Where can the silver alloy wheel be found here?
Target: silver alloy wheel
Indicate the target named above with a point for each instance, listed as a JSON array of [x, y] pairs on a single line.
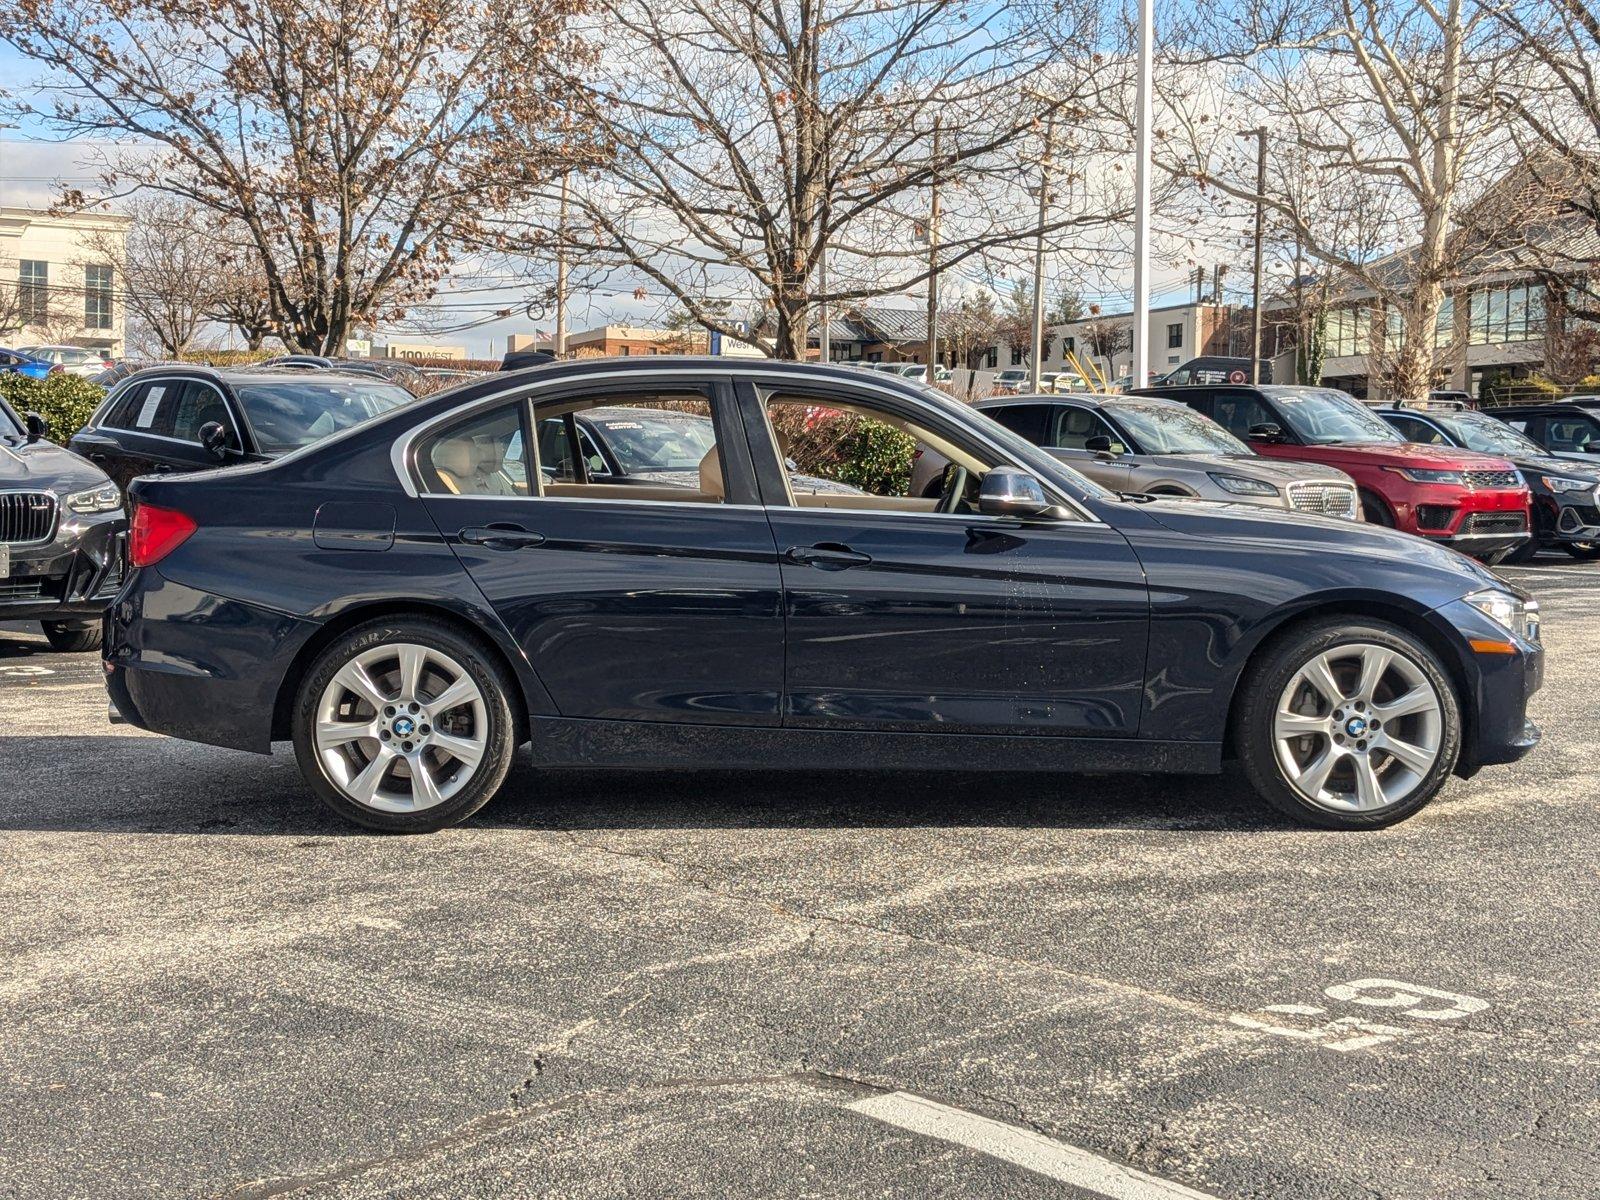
[[1358, 728], [401, 728]]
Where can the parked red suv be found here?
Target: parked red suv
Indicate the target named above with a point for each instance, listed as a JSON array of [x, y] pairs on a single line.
[[1474, 502]]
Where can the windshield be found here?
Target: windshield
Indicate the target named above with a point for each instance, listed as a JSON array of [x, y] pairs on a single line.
[[1322, 416], [295, 413], [1478, 432], [654, 441], [1174, 429]]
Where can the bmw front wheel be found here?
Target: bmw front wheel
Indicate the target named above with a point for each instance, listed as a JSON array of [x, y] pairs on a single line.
[[404, 726], [1348, 726]]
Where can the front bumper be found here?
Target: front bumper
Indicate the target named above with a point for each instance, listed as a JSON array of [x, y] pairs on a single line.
[[1477, 522], [73, 576], [1498, 686], [1559, 521]]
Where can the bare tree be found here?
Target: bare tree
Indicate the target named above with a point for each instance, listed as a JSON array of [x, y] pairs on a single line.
[[356, 144], [1015, 324], [52, 312], [169, 266], [760, 145], [1397, 107]]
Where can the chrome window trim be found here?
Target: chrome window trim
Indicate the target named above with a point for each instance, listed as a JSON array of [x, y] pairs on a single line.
[[116, 393], [401, 457]]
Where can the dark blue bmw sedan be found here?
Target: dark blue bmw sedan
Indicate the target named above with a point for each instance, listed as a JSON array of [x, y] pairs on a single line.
[[410, 600]]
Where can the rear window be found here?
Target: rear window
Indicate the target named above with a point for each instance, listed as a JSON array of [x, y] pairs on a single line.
[[297, 412]]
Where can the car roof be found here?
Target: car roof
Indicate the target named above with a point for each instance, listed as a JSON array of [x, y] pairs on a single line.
[[1531, 410], [247, 372], [1087, 399]]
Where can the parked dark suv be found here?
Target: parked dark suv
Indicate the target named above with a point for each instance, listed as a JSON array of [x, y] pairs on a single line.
[[411, 599], [61, 535], [1566, 490], [187, 418], [1476, 503]]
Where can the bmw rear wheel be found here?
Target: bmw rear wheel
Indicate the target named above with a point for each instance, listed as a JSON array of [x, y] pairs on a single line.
[[404, 726], [1348, 726]]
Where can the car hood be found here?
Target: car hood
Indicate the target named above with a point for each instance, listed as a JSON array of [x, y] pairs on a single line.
[[1252, 524], [47, 467], [1273, 470], [1411, 454], [1577, 466]]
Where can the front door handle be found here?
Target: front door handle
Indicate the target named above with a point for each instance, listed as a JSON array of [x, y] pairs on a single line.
[[829, 556], [500, 536]]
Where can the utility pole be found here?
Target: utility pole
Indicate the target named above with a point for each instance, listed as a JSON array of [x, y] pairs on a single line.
[[560, 343], [1260, 134], [1141, 202], [1036, 366], [933, 259]]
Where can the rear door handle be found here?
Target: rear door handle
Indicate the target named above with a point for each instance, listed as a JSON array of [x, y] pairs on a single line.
[[830, 556], [501, 537]]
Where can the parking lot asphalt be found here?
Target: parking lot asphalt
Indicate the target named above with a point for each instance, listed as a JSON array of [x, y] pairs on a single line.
[[792, 984]]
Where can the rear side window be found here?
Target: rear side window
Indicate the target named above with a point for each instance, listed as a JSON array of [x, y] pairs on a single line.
[[140, 409], [1026, 420], [486, 456]]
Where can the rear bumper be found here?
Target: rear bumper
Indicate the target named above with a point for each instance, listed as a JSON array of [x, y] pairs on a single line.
[[205, 668]]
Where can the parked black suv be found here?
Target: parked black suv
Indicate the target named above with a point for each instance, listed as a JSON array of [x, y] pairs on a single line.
[[186, 418], [61, 535], [1565, 491], [1565, 430]]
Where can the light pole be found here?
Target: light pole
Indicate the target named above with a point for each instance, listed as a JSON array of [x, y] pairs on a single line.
[[1141, 196], [1260, 134]]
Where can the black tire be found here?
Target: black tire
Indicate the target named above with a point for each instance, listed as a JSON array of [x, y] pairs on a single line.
[[1582, 551], [1375, 511], [1270, 674], [499, 738], [1521, 554], [72, 637]]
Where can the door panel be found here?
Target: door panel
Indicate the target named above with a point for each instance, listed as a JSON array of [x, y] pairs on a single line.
[[962, 624], [648, 610]]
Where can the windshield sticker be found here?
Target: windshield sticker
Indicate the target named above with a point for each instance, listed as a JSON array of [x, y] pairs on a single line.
[[147, 414]]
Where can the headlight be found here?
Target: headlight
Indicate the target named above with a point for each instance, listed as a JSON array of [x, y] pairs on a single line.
[[1557, 484], [1240, 486], [96, 500], [1427, 475], [1519, 616]]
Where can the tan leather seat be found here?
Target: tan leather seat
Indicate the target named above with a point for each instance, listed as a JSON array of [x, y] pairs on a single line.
[[454, 460], [711, 486]]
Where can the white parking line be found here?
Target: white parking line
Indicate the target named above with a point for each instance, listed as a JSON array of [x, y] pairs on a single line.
[[1021, 1147]]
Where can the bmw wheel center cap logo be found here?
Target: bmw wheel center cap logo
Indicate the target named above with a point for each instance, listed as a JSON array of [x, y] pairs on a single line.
[[404, 726], [1355, 726]]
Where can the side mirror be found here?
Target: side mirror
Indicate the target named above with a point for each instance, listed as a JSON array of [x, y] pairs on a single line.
[[1102, 444], [1266, 432], [1011, 492], [38, 427], [214, 440]]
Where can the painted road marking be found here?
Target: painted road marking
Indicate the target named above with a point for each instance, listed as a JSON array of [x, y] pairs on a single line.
[[26, 670], [1353, 1033], [1021, 1147]]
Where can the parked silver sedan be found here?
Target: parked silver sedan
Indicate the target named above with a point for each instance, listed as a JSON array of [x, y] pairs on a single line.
[[1158, 447]]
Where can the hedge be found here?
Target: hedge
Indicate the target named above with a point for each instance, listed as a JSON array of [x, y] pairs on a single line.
[[65, 401], [850, 448]]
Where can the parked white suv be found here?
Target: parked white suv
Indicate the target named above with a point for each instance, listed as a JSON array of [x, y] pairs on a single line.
[[74, 360]]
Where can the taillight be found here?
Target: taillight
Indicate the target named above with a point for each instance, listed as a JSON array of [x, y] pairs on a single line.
[[56, 369], [155, 533]]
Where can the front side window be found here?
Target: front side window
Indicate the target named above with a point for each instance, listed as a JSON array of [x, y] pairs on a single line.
[[1414, 430], [1571, 434], [1076, 426], [97, 297], [288, 415], [485, 456], [33, 291], [194, 405], [1239, 412]]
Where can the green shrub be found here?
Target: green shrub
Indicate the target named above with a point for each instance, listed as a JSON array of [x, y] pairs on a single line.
[[846, 447], [65, 401]]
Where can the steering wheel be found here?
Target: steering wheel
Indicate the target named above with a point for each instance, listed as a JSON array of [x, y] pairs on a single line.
[[955, 488]]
